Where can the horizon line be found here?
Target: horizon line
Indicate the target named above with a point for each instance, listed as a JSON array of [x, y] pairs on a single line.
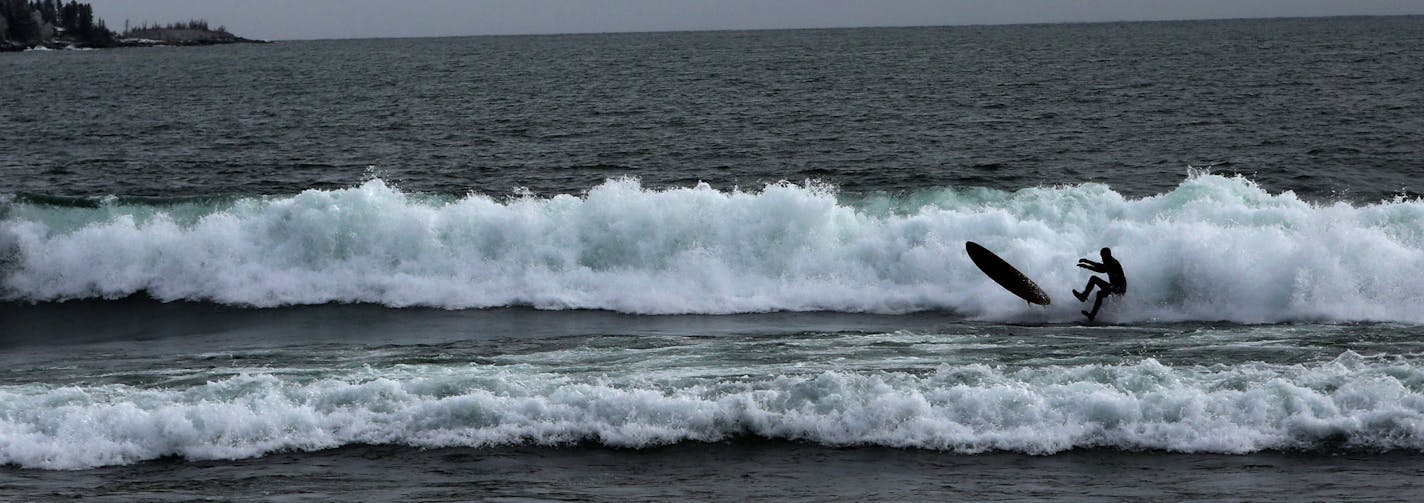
[[844, 27]]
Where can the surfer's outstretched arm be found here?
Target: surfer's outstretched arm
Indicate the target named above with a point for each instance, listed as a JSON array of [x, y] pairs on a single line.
[[1090, 265]]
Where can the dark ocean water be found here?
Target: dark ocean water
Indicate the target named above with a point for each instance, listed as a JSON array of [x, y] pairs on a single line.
[[1322, 107], [717, 265]]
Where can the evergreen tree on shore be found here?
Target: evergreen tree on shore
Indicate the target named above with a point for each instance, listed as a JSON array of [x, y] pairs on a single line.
[[78, 19], [49, 11], [23, 25], [31, 23]]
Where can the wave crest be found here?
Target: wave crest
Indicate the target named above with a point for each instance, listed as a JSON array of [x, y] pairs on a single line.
[[1351, 403], [1215, 248]]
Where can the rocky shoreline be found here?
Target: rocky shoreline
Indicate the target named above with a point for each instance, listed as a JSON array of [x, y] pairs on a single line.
[[60, 44]]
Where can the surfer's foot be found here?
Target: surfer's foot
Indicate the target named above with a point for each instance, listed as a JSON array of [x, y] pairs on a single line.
[[1082, 297], [1088, 314]]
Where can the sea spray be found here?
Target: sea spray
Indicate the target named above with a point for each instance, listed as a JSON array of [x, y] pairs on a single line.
[[1214, 248]]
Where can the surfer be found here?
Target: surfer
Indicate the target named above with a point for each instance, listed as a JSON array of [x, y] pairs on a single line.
[[1115, 285]]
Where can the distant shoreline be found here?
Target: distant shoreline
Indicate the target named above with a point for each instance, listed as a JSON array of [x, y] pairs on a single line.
[[57, 46], [129, 42], [55, 25]]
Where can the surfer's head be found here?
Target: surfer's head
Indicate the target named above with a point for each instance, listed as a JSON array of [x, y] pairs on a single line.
[[1106, 252]]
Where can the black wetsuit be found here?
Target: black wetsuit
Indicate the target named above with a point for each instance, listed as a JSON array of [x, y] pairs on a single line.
[[1116, 279], [1115, 285]]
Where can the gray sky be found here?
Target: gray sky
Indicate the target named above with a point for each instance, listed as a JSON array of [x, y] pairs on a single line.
[[305, 19]]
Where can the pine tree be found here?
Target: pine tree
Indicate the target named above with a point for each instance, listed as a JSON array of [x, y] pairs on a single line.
[[67, 15], [49, 11], [84, 25], [24, 28]]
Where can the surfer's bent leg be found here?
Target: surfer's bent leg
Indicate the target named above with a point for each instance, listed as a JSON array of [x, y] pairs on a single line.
[[1094, 281], [1098, 303]]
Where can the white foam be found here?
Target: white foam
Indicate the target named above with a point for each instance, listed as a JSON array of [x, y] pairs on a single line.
[[1350, 403], [1215, 248]]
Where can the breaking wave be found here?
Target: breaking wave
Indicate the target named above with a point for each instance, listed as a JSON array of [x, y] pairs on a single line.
[[1214, 248], [1352, 402]]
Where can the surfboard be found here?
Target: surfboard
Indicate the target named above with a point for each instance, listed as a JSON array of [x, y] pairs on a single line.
[[1005, 275]]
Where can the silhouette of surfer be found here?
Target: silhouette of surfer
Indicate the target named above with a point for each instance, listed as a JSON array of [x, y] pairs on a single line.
[[1115, 285]]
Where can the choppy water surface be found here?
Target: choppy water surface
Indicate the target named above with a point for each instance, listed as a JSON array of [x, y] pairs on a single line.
[[1327, 108]]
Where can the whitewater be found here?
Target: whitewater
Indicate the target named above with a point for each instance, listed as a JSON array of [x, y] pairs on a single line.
[[1214, 248], [1351, 403]]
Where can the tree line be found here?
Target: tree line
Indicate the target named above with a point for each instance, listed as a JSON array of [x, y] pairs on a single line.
[[195, 24], [32, 23]]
